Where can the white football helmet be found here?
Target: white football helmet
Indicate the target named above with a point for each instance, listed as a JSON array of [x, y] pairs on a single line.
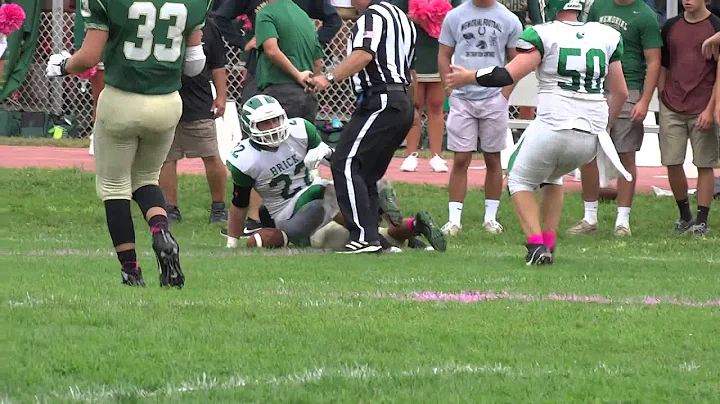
[[259, 109]]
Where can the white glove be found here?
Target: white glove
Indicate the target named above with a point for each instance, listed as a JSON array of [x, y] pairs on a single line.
[[232, 242], [315, 156], [56, 64]]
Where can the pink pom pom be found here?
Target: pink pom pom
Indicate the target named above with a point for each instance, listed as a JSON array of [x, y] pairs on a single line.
[[429, 14], [247, 25], [88, 74], [12, 17]]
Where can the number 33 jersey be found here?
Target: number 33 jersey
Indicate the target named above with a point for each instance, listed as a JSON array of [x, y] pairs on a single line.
[[276, 175], [575, 61], [146, 43]]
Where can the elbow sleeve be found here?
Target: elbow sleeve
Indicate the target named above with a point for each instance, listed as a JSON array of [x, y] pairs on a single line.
[[494, 77], [194, 60]]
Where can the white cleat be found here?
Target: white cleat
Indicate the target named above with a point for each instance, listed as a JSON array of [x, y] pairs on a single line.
[[410, 163], [438, 165], [493, 227], [451, 229]]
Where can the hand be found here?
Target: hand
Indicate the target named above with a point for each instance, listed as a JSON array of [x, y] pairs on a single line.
[[639, 112], [705, 120], [711, 47], [459, 76], [305, 79], [232, 242], [56, 64], [218, 107], [506, 91], [320, 83], [315, 156], [251, 44]]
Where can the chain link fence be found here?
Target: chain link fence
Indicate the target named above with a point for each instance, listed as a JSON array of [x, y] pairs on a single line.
[[71, 95]]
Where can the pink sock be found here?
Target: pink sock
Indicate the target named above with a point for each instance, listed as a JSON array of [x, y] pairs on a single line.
[[535, 239], [410, 224], [549, 239]]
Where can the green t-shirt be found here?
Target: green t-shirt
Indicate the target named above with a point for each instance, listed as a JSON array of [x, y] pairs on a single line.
[[297, 39], [145, 50], [638, 25], [79, 28]]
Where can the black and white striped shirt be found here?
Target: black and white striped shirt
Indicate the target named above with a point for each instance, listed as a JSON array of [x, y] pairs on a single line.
[[384, 31]]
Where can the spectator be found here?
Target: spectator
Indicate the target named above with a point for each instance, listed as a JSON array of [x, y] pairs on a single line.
[[479, 33], [637, 23], [687, 100], [195, 135], [430, 94], [289, 55]]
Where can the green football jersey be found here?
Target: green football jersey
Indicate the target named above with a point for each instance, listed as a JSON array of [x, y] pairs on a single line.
[[145, 50]]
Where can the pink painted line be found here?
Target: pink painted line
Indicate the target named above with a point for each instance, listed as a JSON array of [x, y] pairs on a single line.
[[484, 296]]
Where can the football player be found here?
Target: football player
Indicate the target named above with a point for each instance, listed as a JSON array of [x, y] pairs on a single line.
[[146, 46], [574, 60]]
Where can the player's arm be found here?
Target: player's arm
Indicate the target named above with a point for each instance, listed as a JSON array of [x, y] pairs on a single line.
[[89, 54], [242, 187], [317, 149], [618, 90], [194, 55], [506, 91]]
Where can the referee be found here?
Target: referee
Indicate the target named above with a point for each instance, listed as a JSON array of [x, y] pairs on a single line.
[[381, 65]]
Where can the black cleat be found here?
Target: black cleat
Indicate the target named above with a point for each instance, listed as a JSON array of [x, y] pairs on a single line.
[[132, 276], [425, 224], [538, 254], [173, 213], [388, 204], [413, 242], [683, 226], [167, 252], [218, 213], [251, 226]]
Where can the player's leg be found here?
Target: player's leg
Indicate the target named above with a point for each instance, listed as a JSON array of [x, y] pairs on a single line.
[[308, 219], [412, 140], [705, 157], [160, 115], [493, 127], [115, 146], [435, 102], [168, 174], [590, 178], [462, 138], [673, 138]]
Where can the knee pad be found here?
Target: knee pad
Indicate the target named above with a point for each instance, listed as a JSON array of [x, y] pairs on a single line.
[[149, 196]]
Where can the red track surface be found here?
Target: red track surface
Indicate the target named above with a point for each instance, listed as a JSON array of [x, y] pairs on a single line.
[[59, 157]]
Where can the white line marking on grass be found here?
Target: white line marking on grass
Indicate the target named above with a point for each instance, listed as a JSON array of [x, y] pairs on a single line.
[[205, 382]]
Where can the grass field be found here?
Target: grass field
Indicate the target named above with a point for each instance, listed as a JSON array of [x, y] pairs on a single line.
[[631, 320]]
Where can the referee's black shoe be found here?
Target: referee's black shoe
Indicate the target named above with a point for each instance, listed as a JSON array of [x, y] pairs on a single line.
[[361, 247]]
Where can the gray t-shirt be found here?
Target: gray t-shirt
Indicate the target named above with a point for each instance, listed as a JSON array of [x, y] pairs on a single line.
[[480, 37]]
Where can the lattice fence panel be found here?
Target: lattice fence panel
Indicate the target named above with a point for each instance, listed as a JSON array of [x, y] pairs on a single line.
[[71, 95]]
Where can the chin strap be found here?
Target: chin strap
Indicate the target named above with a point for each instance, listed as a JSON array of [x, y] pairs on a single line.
[[493, 77]]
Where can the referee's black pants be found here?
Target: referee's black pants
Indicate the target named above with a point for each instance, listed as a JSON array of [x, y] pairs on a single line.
[[366, 146]]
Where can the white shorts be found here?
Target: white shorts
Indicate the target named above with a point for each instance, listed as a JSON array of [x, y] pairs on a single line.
[[544, 156], [472, 120]]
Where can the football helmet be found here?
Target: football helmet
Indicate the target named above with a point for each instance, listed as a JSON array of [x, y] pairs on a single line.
[[556, 6], [265, 121]]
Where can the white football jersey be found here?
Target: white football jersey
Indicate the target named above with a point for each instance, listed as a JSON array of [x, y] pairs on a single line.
[[276, 175], [571, 77]]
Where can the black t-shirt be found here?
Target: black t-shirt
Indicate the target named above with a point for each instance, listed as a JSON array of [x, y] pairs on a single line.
[[196, 92]]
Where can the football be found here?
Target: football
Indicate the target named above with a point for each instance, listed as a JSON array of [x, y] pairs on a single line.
[[268, 238], [608, 194]]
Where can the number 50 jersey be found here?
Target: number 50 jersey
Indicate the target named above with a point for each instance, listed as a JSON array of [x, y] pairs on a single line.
[[146, 43], [575, 60]]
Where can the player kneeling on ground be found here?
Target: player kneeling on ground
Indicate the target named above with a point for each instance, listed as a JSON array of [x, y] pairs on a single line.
[[272, 160], [572, 114]]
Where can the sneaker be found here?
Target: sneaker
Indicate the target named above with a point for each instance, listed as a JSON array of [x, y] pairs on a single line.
[[622, 231], [682, 226], [699, 230], [388, 204], [410, 163], [132, 276], [583, 227], [168, 258], [538, 254], [218, 213], [360, 247], [438, 165], [425, 224], [251, 226], [451, 229], [415, 243], [173, 213], [493, 227]]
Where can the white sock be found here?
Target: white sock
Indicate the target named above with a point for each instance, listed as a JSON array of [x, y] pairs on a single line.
[[591, 209], [491, 208], [455, 212], [623, 217]]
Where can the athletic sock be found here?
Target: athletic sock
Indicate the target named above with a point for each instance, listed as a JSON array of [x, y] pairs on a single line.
[[455, 212], [127, 258], [535, 239], [411, 225], [491, 208], [158, 222], [623, 217], [549, 239], [702, 214], [591, 210], [684, 207]]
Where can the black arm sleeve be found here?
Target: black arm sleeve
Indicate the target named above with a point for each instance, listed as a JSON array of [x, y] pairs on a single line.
[[241, 196], [499, 77], [226, 13]]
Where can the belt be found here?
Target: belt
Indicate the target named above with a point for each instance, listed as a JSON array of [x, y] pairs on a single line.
[[384, 88]]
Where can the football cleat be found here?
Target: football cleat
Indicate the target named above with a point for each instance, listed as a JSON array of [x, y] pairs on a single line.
[[251, 226], [360, 247], [388, 204], [132, 276], [173, 213], [168, 258], [538, 254], [425, 224], [683, 226]]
